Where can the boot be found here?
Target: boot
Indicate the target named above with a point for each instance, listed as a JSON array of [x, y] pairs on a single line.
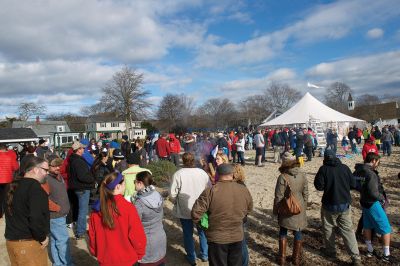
[[282, 251], [297, 249]]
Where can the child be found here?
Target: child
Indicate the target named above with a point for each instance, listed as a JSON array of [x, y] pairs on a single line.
[[354, 149], [345, 144]]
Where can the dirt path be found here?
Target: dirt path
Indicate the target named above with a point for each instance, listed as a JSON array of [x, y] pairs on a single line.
[[262, 225]]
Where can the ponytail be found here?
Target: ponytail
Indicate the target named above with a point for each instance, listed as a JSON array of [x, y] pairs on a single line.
[[29, 165], [107, 202]]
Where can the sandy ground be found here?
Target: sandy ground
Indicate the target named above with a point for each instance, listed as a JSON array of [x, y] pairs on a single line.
[[263, 229]]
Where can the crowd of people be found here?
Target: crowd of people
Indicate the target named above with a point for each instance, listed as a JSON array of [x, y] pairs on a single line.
[[43, 195]]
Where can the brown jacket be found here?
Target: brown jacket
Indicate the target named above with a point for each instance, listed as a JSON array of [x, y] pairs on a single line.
[[227, 203], [299, 185]]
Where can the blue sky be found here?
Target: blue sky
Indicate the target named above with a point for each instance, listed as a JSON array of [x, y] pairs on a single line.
[[61, 53]]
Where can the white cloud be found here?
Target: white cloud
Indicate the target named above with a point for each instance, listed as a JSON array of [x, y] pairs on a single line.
[[325, 22], [375, 33], [376, 74]]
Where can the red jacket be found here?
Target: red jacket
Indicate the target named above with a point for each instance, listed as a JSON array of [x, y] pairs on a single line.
[[174, 144], [162, 148], [64, 168], [122, 246], [8, 165], [367, 148]]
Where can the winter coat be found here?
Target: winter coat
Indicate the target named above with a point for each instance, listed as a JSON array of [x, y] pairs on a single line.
[[369, 147], [174, 144], [149, 205], [125, 244], [299, 186], [162, 148], [240, 145], [126, 148], [370, 186], [80, 177], [387, 136], [8, 165], [335, 180]]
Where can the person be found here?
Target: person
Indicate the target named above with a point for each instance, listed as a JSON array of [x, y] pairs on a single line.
[[278, 144], [42, 149], [99, 170], [117, 161], [27, 216], [308, 144], [297, 179], [331, 140], [186, 186], [8, 165], [116, 234], [149, 205], [387, 139], [377, 134], [259, 143], [126, 148], [345, 144], [227, 204], [369, 146], [163, 149], [129, 174], [142, 152], [175, 148], [81, 181], [335, 180], [59, 238], [233, 138], [239, 177], [240, 143], [371, 200]]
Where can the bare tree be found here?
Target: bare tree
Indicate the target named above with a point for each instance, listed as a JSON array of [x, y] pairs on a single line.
[[218, 113], [254, 109], [280, 96], [367, 99], [29, 109], [94, 109], [336, 96], [75, 122], [124, 95]]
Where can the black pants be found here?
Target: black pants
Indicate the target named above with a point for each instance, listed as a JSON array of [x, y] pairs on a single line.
[[3, 194], [74, 207], [175, 158], [225, 254]]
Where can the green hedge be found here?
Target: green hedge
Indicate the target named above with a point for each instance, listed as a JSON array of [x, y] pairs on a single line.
[[162, 171]]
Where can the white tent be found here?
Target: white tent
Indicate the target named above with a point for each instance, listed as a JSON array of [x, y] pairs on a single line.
[[309, 108]]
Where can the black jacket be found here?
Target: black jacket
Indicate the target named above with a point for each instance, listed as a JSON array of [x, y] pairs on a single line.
[[335, 180], [371, 187], [80, 177], [30, 212]]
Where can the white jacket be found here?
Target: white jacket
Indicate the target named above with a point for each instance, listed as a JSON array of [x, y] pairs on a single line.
[[187, 185], [240, 144]]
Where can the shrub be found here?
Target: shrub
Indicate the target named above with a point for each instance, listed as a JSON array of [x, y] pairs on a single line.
[[162, 171]]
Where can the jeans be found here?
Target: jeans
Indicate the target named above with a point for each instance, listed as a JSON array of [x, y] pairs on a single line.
[[187, 228], [175, 159], [387, 147], [245, 251], [233, 153], [283, 233], [83, 199], [241, 157], [59, 242], [342, 220]]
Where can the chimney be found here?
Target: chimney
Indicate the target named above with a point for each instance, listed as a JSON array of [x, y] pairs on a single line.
[[37, 120]]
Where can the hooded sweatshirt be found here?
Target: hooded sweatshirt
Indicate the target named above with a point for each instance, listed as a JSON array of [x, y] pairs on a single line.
[[371, 187], [335, 180], [368, 147], [149, 205], [174, 144]]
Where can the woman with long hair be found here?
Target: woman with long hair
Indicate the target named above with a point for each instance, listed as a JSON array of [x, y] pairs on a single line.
[[99, 170], [27, 216], [116, 234], [291, 175], [149, 205]]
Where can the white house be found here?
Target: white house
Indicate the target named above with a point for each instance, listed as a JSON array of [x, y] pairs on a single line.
[[113, 128], [55, 132]]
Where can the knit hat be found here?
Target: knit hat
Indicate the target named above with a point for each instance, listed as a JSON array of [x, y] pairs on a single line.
[[125, 137], [287, 156], [224, 169], [118, 154], [41, 141], [329, 154], [77, 145]]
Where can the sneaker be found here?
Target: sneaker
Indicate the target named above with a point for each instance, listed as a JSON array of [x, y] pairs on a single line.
[[372, 254], [386, 259]]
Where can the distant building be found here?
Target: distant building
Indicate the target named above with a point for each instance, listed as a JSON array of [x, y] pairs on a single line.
[[112, 127], [55, 132], [384, 113], [17, 135]]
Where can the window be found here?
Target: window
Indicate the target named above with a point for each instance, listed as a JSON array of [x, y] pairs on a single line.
[[103, 124], [60, 128], [114, 124], [70, 139], [64, 140]]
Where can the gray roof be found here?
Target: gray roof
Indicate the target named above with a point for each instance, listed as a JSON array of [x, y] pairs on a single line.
[[43, 128], [9, 135], [103, 118]]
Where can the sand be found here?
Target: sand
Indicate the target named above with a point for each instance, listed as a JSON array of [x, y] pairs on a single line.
[[263, 229]]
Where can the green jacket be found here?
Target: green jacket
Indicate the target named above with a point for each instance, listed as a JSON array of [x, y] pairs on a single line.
[[130, 177]]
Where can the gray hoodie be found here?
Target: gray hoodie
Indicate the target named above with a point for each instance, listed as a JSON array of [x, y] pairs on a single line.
[[149, 205]]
